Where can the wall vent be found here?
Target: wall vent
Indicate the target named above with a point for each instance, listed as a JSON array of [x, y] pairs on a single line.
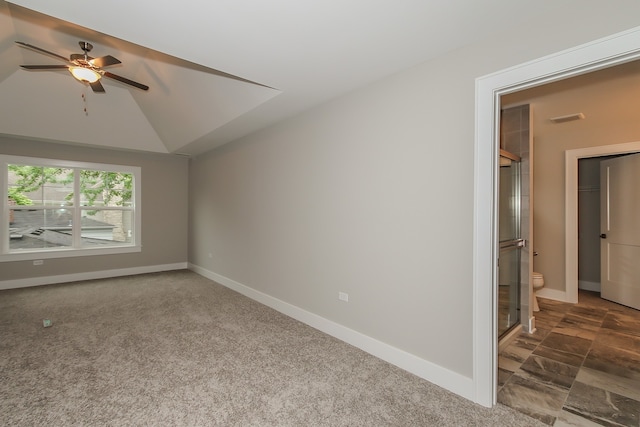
[[567, 118]]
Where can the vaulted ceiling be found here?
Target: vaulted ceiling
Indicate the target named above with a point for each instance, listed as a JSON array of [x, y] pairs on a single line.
[[218, 69]]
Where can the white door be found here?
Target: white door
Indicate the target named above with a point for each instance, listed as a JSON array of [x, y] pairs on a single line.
[[620, 228]]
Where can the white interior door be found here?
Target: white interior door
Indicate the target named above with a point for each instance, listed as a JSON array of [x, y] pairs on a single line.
[[620, 228]]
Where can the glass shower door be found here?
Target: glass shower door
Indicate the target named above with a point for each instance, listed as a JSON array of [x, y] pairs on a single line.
[[511, 243]]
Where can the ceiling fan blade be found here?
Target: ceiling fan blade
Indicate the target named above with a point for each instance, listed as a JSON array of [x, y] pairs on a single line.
[[46, 52], [44, 67], [125, 80], [104, 61], [97, 86]]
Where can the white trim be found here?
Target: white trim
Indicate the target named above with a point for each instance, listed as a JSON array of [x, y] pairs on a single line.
[[531, 325], [27, 255], [76, 277], [589, 286], [612, 50], [571, 206], [70, 164], [438, 375], [4, 225], [553, 294]]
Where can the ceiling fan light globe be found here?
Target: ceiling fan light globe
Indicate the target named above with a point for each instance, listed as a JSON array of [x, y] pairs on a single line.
[[85, 74]]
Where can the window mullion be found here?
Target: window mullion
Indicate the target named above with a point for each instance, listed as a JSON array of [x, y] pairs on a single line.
[[5, 234], [77, 212]]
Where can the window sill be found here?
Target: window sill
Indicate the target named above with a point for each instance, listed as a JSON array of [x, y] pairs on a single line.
[[67, 253]]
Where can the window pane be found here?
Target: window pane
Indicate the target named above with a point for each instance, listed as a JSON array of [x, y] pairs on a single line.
[[104, 188], [40, 228], [40, 186], [106, 227]]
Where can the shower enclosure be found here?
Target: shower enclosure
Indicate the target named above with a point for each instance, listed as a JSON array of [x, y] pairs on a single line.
[[511, 242]]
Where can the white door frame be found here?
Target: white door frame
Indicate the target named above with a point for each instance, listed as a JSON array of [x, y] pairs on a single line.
[[606, 52], [571, 206]]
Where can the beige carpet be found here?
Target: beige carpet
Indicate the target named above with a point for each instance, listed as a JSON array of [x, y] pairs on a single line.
[[178, 349]]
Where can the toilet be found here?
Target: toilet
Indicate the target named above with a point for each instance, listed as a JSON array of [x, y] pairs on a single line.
[[538, 283]]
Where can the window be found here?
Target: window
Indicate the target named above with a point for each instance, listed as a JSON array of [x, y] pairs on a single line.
[[56, 208]]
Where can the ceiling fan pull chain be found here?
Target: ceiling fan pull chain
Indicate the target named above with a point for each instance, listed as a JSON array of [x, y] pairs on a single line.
[[84, 100]]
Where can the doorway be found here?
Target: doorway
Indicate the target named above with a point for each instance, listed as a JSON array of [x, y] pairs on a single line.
[[600, 54], [571, 203]]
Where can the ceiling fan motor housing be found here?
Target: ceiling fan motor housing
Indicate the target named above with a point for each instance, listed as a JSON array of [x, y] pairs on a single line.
[[82, 57], [85, 46]]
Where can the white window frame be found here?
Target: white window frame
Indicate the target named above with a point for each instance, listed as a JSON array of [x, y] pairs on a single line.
[[76, 249]]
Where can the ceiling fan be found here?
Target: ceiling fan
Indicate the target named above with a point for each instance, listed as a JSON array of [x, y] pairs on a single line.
[[83, 67]]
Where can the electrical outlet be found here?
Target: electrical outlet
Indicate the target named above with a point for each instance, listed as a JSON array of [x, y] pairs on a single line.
[[38, 262], [343, 296]]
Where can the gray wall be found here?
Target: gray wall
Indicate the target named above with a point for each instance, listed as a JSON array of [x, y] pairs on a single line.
[[164, 209], [372, 194]]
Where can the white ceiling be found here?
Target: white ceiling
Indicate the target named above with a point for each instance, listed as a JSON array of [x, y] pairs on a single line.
[[286, 56]]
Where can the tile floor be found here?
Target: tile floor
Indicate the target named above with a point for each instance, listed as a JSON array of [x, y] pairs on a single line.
[[580, 368]]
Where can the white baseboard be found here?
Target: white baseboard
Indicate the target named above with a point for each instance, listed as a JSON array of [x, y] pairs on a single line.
[[552, 294], [76, 277], [431, 372], [531, 327], [589, 286]]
